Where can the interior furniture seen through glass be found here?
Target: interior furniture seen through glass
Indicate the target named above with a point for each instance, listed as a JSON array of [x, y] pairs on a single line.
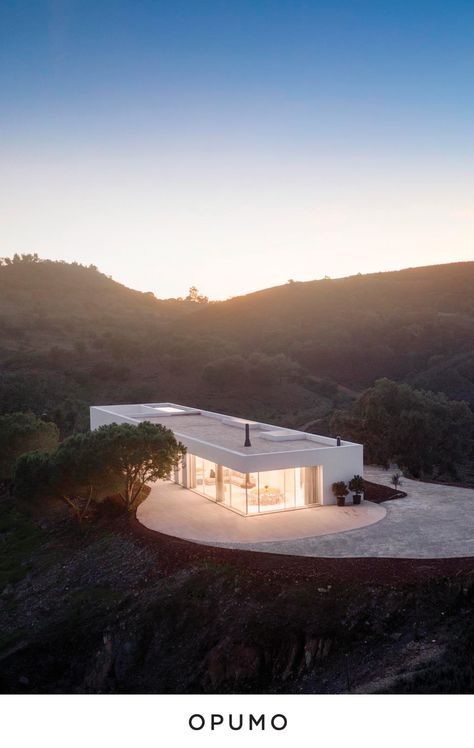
[[251, 493]]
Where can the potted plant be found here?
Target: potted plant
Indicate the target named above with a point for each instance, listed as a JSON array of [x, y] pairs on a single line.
[[356, 485], [340, 491], [396, 481]]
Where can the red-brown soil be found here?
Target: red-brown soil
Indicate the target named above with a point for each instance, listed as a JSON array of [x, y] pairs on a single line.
[[112, 607], [378, 494], [175, 553]]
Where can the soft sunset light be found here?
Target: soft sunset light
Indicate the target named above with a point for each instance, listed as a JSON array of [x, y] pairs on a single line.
[[235, 146]]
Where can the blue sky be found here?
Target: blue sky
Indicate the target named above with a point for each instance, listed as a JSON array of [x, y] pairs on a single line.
[[234, 145]]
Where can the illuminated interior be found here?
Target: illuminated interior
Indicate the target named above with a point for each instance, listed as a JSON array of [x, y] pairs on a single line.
[[252, 493]]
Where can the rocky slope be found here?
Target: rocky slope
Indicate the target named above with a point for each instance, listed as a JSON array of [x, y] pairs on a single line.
[[111, 608]]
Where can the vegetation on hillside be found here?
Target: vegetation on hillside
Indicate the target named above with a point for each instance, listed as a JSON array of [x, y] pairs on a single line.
[[21, 433], [427, 434], [114, 461], [109, 609], [71, 337], [411, 324], [103, 607]]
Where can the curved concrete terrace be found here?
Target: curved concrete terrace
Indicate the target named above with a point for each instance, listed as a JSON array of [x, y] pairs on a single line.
[[433, 521], [174, 510]]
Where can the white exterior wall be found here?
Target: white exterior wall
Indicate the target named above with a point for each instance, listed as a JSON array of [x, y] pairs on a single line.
[[338, 463], [341, 463]]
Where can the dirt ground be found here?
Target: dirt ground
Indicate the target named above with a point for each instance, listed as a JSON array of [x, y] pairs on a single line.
[[112, 607]]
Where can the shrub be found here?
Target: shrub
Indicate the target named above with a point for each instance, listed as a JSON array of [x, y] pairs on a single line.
[[21, 433], [340, 489], [356, 484], [31, 476]]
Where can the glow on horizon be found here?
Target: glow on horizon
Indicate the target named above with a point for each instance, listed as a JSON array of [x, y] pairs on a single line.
[[240, 147]]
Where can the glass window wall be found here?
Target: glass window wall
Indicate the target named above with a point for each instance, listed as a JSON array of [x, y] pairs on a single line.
[[252, 493]]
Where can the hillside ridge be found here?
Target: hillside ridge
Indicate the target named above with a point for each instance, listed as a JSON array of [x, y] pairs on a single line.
[[71, 337]]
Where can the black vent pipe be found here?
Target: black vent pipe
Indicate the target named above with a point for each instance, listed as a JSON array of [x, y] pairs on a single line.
[[247, 435]]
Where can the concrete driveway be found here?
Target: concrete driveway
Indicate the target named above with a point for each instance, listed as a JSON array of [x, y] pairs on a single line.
[[433, 521]]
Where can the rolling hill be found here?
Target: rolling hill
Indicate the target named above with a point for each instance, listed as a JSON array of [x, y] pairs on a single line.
[[45, 302], [416, 324], [70, 336]]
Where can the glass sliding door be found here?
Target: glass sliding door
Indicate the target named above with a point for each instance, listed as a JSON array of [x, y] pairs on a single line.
[[209, 479], [312, 485], [227, 486], [238, 491], [199, 475], [179, 473], [299, 487], [252, 493], [289, 487], [275, 488]]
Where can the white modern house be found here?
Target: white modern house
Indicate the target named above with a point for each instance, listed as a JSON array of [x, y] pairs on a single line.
[[245, 466]]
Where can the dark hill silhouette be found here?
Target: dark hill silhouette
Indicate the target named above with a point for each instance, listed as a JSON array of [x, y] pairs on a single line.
[[444, 289], [416, 323], [70, 337], [56, 289]]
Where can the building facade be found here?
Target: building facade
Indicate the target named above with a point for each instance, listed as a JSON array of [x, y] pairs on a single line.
[[248, 467]]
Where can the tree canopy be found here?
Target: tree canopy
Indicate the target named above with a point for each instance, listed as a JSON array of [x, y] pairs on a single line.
[[71, 337], [258, 370], [115, 460], [21, 433], [424, 432], [137, 455], [196, 297]]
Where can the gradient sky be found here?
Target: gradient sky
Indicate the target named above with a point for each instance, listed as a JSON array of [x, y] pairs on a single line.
[[234, 145]]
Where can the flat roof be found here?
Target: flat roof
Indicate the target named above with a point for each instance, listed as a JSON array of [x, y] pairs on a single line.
[[221, 431]]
